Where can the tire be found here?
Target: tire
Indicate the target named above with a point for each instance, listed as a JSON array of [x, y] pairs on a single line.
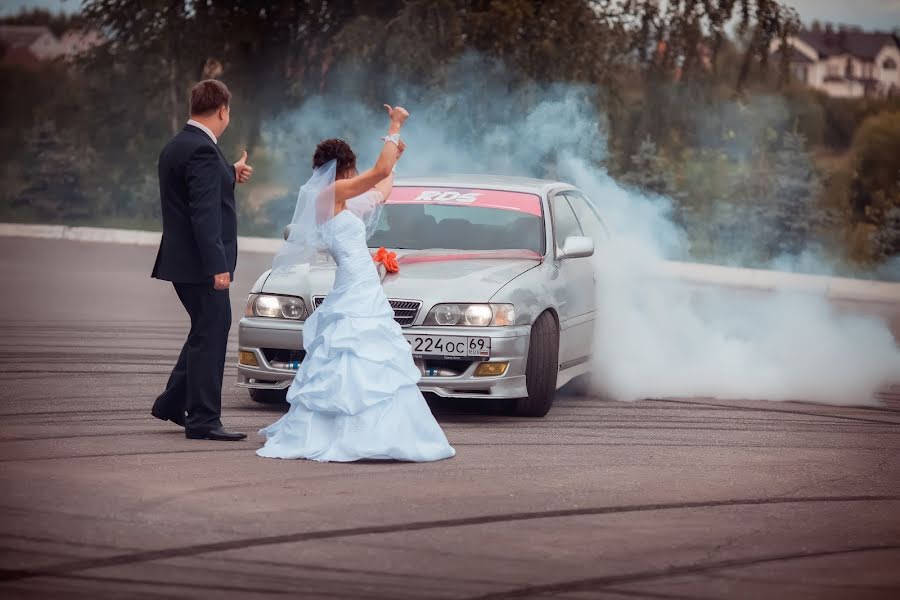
[[541, 370], [268, 396]]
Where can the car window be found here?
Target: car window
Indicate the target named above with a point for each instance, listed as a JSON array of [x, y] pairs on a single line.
[[423, 218], [564, 221], [588, 217]]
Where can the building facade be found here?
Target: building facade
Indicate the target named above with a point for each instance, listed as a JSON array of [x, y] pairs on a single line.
[[845, 62], [31, 45]]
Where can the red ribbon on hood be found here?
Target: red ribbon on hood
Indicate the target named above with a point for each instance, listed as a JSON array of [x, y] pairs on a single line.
[[392, 263], [495, 254], [388, 259]]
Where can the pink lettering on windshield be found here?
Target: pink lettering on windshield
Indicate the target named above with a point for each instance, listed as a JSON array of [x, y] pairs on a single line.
[[516, 201]]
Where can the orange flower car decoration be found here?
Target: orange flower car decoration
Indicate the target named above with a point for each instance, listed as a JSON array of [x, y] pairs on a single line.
[[388, 259]]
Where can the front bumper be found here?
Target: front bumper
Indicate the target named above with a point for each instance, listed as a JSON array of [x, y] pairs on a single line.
[[281, 342]]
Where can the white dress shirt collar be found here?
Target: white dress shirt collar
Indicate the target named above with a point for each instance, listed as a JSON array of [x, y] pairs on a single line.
[[204, 129]]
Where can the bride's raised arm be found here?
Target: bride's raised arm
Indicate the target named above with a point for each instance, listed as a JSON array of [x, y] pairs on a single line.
[[385, 186], [345, 189]]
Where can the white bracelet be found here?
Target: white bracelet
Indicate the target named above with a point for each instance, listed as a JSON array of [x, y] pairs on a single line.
[[394, 137]]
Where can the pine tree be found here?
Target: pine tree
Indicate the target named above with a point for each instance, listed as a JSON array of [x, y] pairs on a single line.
[[649, 171], [793, 213], [886, 239], [52, 180]]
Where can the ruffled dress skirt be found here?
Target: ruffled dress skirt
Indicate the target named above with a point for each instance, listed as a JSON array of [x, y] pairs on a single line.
[[355, 395]]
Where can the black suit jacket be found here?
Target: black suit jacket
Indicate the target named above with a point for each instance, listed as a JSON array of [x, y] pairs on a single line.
[[196, 188]]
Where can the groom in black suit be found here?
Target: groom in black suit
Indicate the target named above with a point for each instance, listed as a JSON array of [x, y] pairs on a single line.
[[198, 254]]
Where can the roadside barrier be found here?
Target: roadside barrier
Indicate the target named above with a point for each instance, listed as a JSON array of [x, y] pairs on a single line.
[[835, 288]]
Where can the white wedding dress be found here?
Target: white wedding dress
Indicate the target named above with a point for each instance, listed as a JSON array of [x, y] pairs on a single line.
[[355, 395]]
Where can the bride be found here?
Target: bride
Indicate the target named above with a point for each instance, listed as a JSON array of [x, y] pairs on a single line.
[[355, 395]]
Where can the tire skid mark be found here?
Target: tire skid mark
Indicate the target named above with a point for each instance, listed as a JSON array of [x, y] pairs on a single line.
[[643, 595], [735, 425], [141, 410], [119, 454], [86, 435], [293, 566], [241, 544], [790, 412], [665, 444], [156, 583], [592, 584], [599, 430]]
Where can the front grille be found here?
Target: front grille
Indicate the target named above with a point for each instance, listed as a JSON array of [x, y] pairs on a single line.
[[405, 311]]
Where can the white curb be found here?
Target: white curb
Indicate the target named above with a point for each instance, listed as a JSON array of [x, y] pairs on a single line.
[[836, 288], [119, 236]]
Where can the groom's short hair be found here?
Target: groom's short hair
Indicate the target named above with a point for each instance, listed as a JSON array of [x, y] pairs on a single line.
[[209, 96]]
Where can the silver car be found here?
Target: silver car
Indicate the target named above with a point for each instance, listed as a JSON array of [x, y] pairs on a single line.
[[495, 291]]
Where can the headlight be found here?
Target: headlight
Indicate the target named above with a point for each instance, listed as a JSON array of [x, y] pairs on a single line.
[[446, 314], [275, 307], [478, 315], [268, 306], [471, 315]]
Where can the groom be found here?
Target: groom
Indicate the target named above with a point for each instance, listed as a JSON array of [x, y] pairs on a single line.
[[198, 254]]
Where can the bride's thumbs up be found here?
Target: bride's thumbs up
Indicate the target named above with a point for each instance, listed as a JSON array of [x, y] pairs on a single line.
[[398, 114]]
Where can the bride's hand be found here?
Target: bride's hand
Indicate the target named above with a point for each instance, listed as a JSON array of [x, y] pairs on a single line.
[[400, 148], [398, 114]]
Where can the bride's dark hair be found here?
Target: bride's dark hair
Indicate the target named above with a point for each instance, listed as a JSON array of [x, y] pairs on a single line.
[[335, 149]]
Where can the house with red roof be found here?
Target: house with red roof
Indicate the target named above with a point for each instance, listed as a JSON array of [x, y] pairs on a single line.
[[845, 62], [30, 45], [27, 45]]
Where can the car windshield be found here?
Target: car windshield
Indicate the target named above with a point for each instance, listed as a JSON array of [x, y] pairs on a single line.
[[463, 219]]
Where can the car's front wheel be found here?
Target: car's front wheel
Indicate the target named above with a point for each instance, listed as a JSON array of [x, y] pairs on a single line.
[[541, 369], [268, 396]]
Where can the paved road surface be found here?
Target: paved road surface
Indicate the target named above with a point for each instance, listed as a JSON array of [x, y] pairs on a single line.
[[657, 499]]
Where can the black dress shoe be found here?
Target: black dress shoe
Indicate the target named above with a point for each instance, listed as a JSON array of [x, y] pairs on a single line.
[[219, 434], [177, 419]]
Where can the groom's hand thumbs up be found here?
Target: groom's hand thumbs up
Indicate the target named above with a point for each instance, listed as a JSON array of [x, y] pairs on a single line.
[[242, 171]]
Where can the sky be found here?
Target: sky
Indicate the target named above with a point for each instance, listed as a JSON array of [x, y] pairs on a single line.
[[869, 14]]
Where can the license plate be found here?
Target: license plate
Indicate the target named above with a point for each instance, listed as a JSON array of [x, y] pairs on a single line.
[[450, 346]]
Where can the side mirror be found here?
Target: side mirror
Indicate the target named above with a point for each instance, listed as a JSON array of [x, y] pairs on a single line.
[[576, 246], [287, 231]]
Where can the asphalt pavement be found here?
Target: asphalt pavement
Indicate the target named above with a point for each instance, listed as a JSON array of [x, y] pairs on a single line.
[[661, 498]]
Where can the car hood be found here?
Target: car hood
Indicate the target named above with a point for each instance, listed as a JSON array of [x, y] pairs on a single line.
[[431, 275]]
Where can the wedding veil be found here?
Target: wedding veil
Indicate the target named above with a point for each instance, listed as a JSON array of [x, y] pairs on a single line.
[[306, 240]]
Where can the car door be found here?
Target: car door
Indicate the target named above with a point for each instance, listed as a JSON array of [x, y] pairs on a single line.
[[575, 289], [594, 227]]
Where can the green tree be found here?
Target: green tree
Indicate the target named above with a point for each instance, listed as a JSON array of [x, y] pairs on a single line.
[[649, 170], [794, 215], [154, 42], [52, 179], [686, 37], [773, 209], [270, 53], [875, 188], [886, 239]]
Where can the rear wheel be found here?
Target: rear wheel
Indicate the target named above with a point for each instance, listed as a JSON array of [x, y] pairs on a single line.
[[541, 370], [268, 396]]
